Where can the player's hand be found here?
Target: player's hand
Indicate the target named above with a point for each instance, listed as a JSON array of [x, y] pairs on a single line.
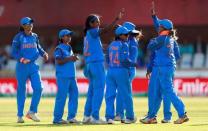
[[148, 74], [74, 58], [26, 61], [45, 56], [153, 8], [120, 14]]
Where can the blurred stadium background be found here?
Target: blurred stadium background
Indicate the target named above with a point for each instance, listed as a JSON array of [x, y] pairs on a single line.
[[189, 18]]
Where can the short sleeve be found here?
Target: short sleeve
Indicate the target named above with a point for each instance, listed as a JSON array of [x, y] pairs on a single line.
[[95, 32], [58, 54]]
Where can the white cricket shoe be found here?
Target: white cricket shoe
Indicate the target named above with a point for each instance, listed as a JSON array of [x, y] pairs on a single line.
[[33, 116], [128, 121], [95, 121], [117, 118], [20, 120], [86, 120], [73, 121], [110, 121]]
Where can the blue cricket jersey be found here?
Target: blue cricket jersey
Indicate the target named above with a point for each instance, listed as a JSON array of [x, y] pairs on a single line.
[[118, 55], [156, 22], [175, 46], [165, 49], [68, 69], [93, 51], [26, 46]]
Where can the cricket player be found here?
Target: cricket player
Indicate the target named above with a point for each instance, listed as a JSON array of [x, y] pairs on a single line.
[[26, 49], [151, 88], [118, 78], [66, 79], [94, 69], [133, 43], [163, 70]]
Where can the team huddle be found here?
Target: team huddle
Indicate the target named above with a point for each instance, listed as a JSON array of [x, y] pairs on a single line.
[[115, 86]]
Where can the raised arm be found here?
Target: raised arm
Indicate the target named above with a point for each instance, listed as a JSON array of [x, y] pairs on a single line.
[[154, 17], [109, 27]]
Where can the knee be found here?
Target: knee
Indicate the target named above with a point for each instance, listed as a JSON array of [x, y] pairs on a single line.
[[38, 89], [21, 88], [76, 95], [109, 97]]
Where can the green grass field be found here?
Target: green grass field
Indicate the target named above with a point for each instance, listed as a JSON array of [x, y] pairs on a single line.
[[197, 109]]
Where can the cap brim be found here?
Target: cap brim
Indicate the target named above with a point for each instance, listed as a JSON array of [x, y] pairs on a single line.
[[70, 33], [135, 31]]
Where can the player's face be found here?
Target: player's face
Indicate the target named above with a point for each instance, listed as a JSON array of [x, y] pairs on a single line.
[[28, 27], [66, 38], [95, 23], [124, 36]]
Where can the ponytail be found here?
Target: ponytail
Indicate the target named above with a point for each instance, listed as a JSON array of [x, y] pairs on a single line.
[[138, 36], [117, 38], [21, 29], [60, 40], [173, 34]]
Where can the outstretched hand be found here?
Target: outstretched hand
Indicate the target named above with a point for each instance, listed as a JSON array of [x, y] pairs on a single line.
[[120, 14], [153, 7]]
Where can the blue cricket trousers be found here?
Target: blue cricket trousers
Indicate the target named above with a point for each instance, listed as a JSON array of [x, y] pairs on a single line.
[[119, 106], [118, 79], [66, 86], [165, 90], [95, 73], [23, 73], [152, 88]]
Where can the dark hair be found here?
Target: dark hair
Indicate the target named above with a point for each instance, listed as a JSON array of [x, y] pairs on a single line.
[[173, 34], [90, 19], [117, 37], [60, 40], [21, 29]]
